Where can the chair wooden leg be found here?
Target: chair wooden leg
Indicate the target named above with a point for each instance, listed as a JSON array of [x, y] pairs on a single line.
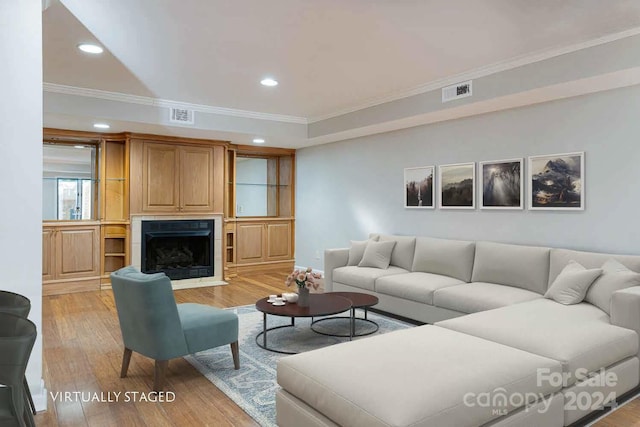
[[27, 392], [236, 355], [160, 374], [126, 358]]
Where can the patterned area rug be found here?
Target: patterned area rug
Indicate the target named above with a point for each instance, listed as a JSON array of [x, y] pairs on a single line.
[[254, 386]]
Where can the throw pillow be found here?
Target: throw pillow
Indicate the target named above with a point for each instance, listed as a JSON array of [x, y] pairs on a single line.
[[572, 284], [357, 250], [377, 254], [615, 276]]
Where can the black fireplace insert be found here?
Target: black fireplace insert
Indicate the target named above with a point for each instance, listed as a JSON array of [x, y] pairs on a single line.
[[182, 249]]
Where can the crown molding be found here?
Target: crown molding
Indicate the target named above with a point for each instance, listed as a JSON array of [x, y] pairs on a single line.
[[423, 88], [512, 63], [157, 102]]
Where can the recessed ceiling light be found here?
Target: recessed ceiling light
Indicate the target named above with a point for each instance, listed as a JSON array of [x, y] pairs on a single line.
[[101, 126], [78, 146], [269, 82], [258, 140], [90, 48]]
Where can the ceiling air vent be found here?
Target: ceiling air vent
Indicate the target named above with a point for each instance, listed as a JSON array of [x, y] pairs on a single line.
[[181, 116], [457, 91]]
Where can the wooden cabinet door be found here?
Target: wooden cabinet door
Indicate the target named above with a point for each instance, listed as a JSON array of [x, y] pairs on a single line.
[[160, 178], [250, 242], [77, 252], [278, 241], [196, 179], [48, 261]]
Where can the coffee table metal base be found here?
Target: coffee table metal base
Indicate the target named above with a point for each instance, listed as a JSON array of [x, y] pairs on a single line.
[[353, 320], [262, 336]]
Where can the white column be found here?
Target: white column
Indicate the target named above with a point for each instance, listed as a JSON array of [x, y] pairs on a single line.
[[21, 165]]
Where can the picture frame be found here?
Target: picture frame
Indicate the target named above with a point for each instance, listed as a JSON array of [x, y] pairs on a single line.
[[501, 184], [557, 182], [419, 188], [457, 186]]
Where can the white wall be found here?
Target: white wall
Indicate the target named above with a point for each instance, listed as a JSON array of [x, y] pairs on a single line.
[[356, 187], [21, 154]]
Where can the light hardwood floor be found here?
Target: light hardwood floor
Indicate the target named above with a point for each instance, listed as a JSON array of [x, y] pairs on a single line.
[[83, 351]]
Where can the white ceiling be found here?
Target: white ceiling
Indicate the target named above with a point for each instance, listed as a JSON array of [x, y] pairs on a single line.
[[329, 55]]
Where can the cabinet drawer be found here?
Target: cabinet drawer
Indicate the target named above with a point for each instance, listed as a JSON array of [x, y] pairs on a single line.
[[115, 230]]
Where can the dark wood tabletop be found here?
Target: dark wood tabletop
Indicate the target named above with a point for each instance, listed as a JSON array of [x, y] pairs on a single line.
[[319, 305], [358, 299]]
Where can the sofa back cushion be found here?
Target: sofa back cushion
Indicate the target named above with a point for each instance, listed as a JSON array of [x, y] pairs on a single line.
[[356, 251], [525, 267], [601, 291], [402, 255], [453, 258], [561, 257]]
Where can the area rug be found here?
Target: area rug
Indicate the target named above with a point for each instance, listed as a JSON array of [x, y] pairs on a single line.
[[254, 386]]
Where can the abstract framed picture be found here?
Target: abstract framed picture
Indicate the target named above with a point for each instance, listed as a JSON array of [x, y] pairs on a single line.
[[457, 183], [556, 182], [418, 187], [501, 184]]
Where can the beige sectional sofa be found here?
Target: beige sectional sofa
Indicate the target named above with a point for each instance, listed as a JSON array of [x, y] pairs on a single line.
[[498, 353]]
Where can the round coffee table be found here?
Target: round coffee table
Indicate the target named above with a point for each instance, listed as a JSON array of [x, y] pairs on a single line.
[[319, 305], [358, 300]]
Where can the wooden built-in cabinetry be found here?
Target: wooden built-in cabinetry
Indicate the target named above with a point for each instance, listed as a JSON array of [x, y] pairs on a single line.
[[70, 257], [166, 176], [176, 178], [114, 212], [261, 242]]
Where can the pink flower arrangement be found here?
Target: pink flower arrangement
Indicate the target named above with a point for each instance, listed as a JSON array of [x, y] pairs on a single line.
[[303, 279]]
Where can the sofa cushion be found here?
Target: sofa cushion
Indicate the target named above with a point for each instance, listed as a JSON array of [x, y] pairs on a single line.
[[579, 336], [363, 277], [561, 257], [356, 250], [525, 267], [377, 254], [414, 286], [615, 276], [452, 258], [206, 327], [572, 284], [411, 381], [402, 255], [478, 296]]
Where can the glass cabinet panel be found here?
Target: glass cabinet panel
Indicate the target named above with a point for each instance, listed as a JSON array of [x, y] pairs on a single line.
[[69, 186]]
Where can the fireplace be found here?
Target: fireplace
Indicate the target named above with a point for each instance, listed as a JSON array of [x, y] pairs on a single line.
[[182, 249]]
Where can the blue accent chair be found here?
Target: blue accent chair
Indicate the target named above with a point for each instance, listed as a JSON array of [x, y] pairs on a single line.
[[153, 325]]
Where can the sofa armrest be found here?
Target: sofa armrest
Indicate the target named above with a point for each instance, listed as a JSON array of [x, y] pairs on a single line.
[[625, 308], [333, 258]]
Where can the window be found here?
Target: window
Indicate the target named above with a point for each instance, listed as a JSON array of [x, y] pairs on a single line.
[[74, 198]]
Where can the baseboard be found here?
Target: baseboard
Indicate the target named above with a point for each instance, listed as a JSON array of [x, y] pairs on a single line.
[[39, 395]]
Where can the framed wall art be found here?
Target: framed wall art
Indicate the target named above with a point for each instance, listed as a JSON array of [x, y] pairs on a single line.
[[418, 187], [501, 184], [556, 182], [457, 183]]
